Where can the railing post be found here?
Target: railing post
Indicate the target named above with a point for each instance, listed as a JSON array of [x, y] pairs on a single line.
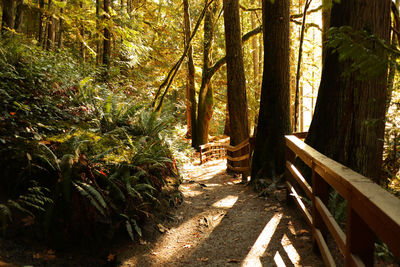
[[319, 189], [359, 239]]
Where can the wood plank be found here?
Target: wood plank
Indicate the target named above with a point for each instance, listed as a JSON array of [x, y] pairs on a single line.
[[240, 158], [332, 225], [356, 261], [299, 179], [323, 248], [299, 148], [299, 203], [237, 169], [375, 206], [237, 147]]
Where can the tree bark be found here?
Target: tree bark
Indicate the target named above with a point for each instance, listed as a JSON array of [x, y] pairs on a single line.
[[51, 34], [326, 17], [274, 115], [60, 41], [190, 84], [205, 103], [107, 36], [19, 16], [8, 15], [348, 124], [41, 37], [238, 114]]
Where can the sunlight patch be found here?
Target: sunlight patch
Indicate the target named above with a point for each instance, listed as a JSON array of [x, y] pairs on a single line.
[[278, 260], [260, 246], [226, 202], [290, 250]]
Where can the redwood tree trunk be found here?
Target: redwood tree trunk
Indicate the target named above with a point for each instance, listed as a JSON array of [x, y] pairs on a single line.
[[349, 119], [274, 116], [239, 129], [8, 15], [190, 85]]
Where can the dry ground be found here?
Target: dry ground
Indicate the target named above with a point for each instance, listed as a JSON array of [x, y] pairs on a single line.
[[224, 223]]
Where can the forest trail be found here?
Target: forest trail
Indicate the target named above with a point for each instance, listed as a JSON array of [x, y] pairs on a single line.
[[224, 223]]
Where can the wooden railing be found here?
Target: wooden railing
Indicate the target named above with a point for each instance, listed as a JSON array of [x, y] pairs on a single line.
[[222, 148], [371, 211]]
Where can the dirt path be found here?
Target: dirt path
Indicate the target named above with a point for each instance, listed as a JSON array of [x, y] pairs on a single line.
[[224, 223]]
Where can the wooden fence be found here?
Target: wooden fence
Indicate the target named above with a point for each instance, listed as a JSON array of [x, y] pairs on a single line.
[[220, 150], [371, 211]]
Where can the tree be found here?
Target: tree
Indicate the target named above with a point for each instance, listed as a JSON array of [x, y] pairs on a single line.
[[237, 100], [190, 85], [19, 15], [107, 35], [274, 115], [8, 15], [51, 27], [205, 102], [348, 124]]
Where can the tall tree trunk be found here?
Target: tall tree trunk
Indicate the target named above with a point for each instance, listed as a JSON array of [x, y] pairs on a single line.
[[19, 16], [205, 103], [60, 41], [274, 116], [326, 17], [239, 129], [41, 37], [8, 15], [348, 124], [190, 85], [51, 33], [107, 37], [298, 72]]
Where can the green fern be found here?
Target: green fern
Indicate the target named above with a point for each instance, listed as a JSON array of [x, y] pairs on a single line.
[[92, 195]]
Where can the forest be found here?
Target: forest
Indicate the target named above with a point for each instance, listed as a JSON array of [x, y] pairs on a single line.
[[103, 103]]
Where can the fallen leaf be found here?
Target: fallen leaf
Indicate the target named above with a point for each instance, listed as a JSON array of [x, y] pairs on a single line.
[[233, 260], [110, 257], [161, 228], [187, 246], [202, 259]]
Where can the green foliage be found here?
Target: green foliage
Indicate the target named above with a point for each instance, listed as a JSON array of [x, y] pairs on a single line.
[[102, 157], [365, 52]]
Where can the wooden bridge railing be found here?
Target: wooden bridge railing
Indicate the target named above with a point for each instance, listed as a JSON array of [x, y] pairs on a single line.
[[371, 212], [220, 150]]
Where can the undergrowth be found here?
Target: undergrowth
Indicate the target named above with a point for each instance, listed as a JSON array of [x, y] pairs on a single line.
[[82, 160]]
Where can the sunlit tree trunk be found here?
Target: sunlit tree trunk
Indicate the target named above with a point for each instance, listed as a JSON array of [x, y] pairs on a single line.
[[205, 103], [274, 115], [238, 114], [349, 119], [82, 33], [190, 85], [8, 15]]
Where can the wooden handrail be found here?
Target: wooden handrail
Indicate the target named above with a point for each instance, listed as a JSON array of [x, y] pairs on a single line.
[[371, 211], [220, 149]]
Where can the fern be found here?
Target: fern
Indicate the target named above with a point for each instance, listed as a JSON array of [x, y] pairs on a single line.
[[92, 195]]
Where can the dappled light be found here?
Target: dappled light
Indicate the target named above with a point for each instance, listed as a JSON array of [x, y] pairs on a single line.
[[262, 242], [227, 202]]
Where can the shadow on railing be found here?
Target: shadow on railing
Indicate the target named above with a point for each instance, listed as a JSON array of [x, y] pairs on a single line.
[[371, 212]]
